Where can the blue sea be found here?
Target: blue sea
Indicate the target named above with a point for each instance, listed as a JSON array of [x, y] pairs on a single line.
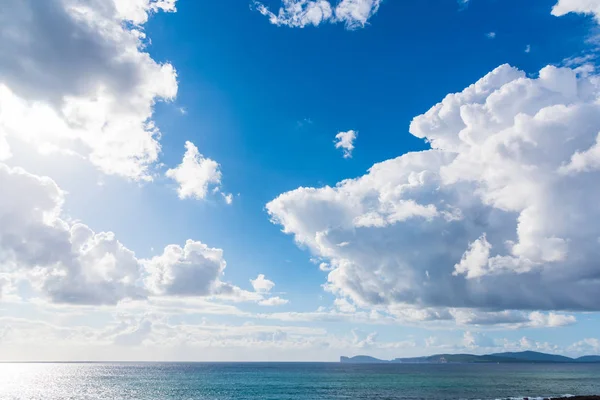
[[293, 381]]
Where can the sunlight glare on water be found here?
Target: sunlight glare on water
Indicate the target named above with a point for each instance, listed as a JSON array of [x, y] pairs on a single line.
[[43, 381], [292, 381]]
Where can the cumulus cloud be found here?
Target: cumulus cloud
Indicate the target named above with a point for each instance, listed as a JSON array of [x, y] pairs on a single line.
[[192, 270], [475, 259], [74, 76], [473, 340], [137, 11], [499, 214], [591, 7], [262, 284], [300, 13], [263, 287], [344, 305], [551, 320], [586, 346], [526, 343], [195, 174], [70, 263], [345, 141]]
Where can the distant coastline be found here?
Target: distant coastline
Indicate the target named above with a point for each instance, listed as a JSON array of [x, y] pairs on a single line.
[[496, 358]]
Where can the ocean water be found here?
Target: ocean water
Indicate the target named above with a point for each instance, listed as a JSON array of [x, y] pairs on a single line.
[[293, 381]]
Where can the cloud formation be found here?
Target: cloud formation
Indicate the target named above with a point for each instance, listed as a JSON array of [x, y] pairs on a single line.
[[262, 284], [192, 270], [74, 77], [498, 215], [68, 262], [195, 174], [564, 7], [345, 141], [353, 14]]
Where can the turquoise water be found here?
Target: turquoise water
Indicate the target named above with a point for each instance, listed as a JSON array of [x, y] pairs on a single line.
[[293, 381]]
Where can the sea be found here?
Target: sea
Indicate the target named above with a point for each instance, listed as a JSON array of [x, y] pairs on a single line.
[[293, 381]]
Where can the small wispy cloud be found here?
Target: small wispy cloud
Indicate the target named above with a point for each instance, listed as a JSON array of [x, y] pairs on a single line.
[[491, 35], [228, 198], [345, 141], [353, 14], [303, 122]]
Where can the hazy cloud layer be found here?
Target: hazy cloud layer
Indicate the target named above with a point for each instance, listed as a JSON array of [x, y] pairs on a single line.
[[153, 337]]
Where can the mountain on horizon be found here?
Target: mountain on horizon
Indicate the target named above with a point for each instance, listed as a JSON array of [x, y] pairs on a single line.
[[507, 357]]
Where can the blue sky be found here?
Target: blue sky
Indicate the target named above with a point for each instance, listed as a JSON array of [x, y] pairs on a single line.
[[265, 101]]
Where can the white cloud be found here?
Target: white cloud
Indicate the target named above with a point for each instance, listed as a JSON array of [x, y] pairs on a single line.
[[511, 319], [526, 343], [152, 338], [491, 35], [137, 11], [300, 13], [134, 336], [577, 6], [5, 152], [364, 340], [228, 198], [345, 141], [344, 306], [475, 259], [474, 340], [528, 48], [325, 267], [355, 13], [70, 263], [262, 284], [192, 270], [273, 301], [74, 77], [588, 346], [499, 214], [195, 174], [551, 320]]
